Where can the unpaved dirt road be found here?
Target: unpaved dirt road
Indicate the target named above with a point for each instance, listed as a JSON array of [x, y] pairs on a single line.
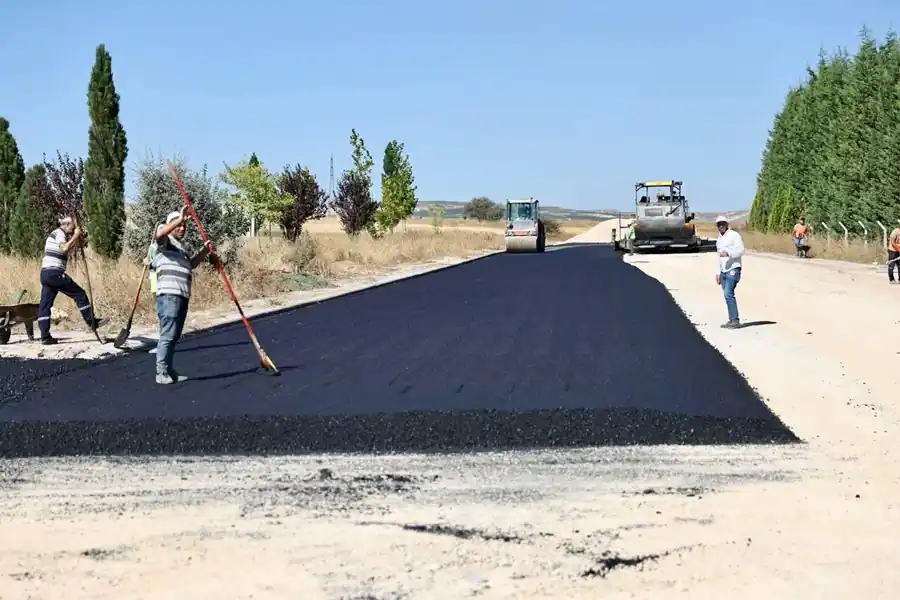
[[818, 520]]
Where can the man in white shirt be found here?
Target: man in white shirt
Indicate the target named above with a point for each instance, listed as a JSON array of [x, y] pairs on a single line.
[[730, 247]]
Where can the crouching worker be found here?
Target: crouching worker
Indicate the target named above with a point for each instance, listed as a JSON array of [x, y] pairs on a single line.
[[55, 280], [173, 290]]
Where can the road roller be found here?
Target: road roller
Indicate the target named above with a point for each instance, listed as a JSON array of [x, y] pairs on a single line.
[[524, 229]]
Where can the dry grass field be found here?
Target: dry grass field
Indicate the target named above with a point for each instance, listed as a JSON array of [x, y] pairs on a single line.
[[854, 251], [270, 265]]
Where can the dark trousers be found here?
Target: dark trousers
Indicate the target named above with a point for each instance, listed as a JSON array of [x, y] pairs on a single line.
[[54, 281], [891, 265]]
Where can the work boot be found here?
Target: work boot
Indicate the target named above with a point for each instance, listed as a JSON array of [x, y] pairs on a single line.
[[97, 324], [177, 378], [732, 324], [49, 341]]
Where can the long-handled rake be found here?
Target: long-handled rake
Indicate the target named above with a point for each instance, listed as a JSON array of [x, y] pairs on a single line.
[[266, 365]]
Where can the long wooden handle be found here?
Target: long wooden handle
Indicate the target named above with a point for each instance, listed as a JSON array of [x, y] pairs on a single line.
[[137, 295]]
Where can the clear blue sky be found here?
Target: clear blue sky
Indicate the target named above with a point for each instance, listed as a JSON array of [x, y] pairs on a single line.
[[570, 101]]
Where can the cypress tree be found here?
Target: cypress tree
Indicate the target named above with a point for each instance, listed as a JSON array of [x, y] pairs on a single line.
[[12, 175], [104, 169], [33, 217]]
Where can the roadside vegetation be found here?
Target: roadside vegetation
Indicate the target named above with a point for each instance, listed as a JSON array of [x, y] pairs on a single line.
[[833, 156]]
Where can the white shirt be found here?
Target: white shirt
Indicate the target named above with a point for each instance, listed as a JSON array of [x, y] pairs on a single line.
[[732, 243]]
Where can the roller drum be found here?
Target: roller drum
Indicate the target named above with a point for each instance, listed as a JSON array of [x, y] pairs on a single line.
[[522, 243]]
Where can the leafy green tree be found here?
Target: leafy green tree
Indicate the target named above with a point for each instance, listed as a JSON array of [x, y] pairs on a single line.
[[483, 209], [33, 217], [256, 191], [104, 169], [157, 196], [398, 190], [362, 158], [308, 200], [12, 176]]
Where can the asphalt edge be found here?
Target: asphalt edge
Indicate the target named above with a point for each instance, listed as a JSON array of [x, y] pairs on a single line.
[[798, 441]]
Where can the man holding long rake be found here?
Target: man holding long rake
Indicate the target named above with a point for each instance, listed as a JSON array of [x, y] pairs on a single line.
[[174, 278]]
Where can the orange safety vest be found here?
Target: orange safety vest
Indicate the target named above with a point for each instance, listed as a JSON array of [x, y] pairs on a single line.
[[895, 240], [800, 230]]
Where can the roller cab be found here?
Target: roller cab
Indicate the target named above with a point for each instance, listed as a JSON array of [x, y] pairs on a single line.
[[524, 229]]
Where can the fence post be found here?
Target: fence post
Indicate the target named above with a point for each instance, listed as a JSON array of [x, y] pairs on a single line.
[[883, 234], [846, 234], [865, 233], [827, 231]]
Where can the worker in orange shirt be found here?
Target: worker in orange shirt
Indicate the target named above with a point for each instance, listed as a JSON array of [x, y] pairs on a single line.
[[894, 254], [799, 234]]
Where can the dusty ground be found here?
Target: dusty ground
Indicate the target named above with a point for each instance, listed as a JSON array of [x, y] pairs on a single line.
[[819, 520]]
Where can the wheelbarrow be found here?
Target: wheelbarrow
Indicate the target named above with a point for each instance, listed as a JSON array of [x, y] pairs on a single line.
[[15, 314]]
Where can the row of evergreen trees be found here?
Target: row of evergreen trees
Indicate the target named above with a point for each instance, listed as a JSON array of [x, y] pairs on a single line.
[[833, 153], [92, 191]]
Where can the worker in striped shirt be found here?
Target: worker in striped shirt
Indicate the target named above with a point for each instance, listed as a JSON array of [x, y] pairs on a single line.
[[174, 278], [55, 280]]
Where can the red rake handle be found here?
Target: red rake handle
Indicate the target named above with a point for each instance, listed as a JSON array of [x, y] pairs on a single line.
[[219, 266]]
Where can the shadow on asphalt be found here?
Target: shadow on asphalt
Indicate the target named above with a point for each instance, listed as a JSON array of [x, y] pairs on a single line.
[[551, 350]]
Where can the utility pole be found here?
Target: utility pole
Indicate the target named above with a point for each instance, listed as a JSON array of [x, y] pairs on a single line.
[[331, 179]]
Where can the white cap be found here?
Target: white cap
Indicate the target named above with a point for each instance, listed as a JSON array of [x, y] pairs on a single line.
[[721, 219], [172, 216]]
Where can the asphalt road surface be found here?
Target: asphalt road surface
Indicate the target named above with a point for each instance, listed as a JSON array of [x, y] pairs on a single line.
[[564, 349]]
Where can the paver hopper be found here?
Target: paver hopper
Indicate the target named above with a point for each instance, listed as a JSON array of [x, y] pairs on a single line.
[[524, 229]]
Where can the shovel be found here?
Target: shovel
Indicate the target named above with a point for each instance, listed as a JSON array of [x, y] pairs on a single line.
[[126, 331]]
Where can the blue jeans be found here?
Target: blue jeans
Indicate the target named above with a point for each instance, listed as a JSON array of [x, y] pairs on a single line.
[[172, 313], [729, 281]]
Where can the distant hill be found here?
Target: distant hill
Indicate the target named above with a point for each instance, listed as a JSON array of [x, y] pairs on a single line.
[[454, 210]]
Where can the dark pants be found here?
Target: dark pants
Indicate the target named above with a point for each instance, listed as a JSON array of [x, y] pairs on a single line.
[[54, 281], [891, 265]]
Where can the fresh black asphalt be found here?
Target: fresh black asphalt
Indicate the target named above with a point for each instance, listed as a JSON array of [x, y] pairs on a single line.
[[563, 349]]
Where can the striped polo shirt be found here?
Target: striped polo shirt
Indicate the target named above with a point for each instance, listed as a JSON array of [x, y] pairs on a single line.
[[173, 268], [54, 257]]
